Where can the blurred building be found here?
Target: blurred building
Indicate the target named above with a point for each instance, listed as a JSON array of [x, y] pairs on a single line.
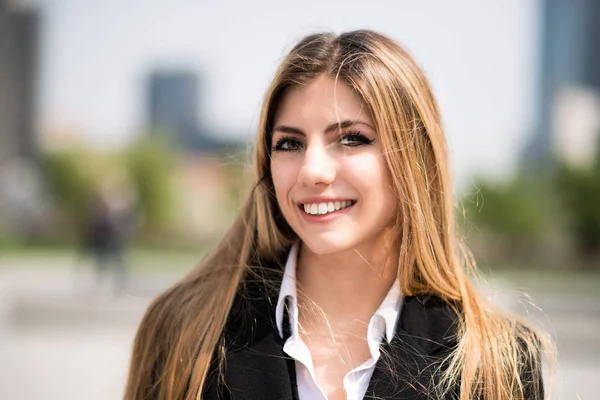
[[19, 36], [172, 99], [8, 138], [18, 63], [569, 97], [173, 103]]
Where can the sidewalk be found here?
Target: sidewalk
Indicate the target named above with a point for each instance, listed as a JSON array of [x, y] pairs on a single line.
[[58, 296], [63, 338]]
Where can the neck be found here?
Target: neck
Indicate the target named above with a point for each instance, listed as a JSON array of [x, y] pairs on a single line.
[[349, 286]]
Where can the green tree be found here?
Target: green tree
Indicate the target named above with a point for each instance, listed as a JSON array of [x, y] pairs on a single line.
[[150, 164], [70, 184], [579, 190], [518, 213]]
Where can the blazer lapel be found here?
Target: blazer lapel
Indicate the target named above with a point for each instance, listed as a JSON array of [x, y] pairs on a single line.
[[261, 371], [256, 366], [411, 362]]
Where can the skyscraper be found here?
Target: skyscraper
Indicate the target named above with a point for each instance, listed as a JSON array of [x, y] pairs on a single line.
[[568, 110], [7, 137], [18, 65], [173, 104], [19, 183]]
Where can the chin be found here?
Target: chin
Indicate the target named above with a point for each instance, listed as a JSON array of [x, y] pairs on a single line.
[[323, 246]]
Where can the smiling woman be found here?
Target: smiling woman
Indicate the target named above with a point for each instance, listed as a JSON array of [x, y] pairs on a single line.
[[341, 278]]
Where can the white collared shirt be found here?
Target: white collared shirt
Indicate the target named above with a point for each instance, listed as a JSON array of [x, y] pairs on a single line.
[[356, 382]]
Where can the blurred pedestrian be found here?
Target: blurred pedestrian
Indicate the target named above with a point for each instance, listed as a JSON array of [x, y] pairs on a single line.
[[108, 228]]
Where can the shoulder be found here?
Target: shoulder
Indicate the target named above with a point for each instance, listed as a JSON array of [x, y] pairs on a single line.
[[252, 313], [431, 322]]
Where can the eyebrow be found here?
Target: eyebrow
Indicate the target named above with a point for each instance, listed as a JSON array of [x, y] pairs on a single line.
[[330, 128]]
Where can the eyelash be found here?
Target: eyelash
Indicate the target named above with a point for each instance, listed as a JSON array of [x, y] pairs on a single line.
[[356, 139]]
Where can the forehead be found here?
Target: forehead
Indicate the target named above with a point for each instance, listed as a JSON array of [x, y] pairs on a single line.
[[321, 102]]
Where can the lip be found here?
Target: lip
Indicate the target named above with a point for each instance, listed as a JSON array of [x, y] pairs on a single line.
[[323, 218]]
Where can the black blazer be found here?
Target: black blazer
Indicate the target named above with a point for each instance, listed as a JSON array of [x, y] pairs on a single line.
[[255, 366]]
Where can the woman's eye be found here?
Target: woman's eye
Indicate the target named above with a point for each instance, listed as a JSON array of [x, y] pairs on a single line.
[[354, 139], [287, 144]]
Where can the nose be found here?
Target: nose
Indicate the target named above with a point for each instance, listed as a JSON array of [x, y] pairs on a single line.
[[318, 166]]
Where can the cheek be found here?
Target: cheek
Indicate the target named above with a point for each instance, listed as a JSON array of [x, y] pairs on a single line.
[[283, 177], [369, 173], [370, 176]]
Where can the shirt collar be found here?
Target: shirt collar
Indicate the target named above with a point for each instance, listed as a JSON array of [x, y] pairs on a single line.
[[288, 289], [388, 311]]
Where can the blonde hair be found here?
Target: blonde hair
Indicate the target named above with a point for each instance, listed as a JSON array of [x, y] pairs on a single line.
[[178, 339]]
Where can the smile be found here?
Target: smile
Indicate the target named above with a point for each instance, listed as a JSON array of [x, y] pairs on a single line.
[[324, 208]]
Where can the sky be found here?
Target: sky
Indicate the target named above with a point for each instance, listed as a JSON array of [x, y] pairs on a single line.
[[481, 59]]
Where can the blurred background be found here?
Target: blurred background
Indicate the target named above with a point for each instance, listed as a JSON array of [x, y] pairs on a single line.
[[124, 136]]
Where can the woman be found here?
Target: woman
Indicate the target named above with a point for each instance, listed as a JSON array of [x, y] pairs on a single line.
[[342, 277]]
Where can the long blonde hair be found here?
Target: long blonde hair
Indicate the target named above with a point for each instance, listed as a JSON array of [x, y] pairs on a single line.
[[177, 340]]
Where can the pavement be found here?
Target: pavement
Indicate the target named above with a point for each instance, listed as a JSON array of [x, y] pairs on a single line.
[[64, 337]]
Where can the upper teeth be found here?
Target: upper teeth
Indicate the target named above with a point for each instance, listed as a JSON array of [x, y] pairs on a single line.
[[324, 208]]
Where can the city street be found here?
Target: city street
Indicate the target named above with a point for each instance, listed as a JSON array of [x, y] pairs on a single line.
[[60, 338]]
